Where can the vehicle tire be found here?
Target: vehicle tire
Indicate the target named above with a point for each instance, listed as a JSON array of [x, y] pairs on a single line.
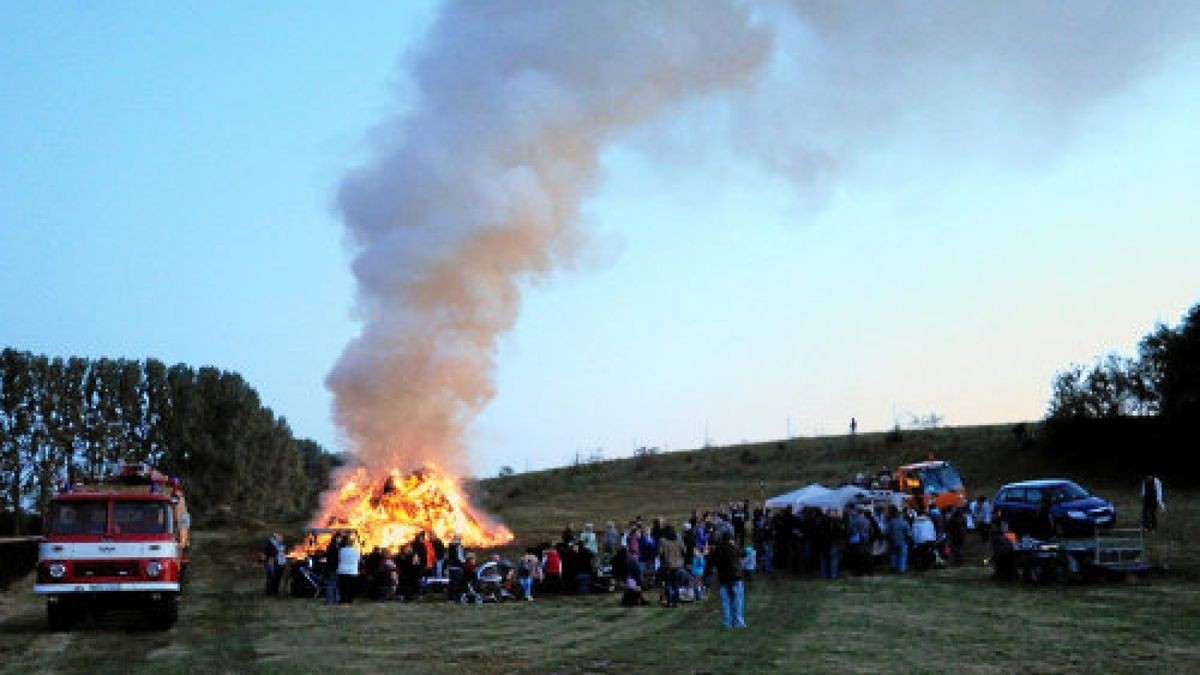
[[1037, 574], [1058, 573], [164, 612], [60, 615]]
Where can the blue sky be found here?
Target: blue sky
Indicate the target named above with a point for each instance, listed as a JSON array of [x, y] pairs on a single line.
[[167, 174]]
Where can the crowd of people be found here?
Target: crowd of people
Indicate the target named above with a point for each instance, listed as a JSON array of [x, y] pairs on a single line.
[[719, 550]]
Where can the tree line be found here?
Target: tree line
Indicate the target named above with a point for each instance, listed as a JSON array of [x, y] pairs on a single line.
[[81, 417], [1134, 412]]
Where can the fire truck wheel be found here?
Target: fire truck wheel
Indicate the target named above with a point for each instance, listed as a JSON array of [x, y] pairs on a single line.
[[60, 615], [163, 613]]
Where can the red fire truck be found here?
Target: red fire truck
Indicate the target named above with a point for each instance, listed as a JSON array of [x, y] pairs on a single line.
[[122, 540]]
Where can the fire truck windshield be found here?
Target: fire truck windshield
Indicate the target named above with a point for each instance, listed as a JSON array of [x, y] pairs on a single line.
[[79, 518], [140, 517]]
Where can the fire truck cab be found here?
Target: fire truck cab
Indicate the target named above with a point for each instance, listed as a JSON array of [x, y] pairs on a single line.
[[121, 540]]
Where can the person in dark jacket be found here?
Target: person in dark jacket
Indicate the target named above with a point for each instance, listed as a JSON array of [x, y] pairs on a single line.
[[408, 568], [274, 559], [1043, 522], [439, 556], [456, 558], [956, 533], [728, 563], [1004, 558], [331, 569]]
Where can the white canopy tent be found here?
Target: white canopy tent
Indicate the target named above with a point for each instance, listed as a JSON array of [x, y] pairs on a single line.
[[824, 498]]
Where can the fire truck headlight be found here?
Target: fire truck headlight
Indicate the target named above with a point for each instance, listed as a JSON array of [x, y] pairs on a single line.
[[57, 570], [154, 568]]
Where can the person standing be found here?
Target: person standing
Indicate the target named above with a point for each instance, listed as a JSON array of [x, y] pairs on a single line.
[[274, 558], [729, 577], [899, 534], [983, 518], [525, 568], [332, 552], [588, 538], [439, 555], [347, 570], [737, 518], [1152, 502], [612, 538], [858, 536], [670, 551], [456, 557]]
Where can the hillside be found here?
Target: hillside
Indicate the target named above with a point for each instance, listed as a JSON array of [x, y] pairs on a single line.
[[674, 484]]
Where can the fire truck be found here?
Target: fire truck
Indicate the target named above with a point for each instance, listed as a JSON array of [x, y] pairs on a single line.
[[120, 540]]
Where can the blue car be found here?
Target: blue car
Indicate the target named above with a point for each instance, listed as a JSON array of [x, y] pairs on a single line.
[[1073, 511]]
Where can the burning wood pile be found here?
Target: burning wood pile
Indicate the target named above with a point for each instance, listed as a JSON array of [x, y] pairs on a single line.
[[389, 512]]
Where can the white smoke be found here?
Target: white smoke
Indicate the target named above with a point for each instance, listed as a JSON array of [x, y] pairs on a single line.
[[999, 79], [476, 192]]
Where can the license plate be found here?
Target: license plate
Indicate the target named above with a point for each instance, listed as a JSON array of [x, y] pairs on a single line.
[[104, 587]]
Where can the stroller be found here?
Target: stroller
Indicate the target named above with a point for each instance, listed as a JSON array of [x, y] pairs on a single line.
[[304, 581], [490, 583]]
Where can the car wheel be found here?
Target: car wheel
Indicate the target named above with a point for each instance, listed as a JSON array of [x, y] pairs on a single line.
[[60, 615], [163, 613], [1059, 575], [1036, 574]]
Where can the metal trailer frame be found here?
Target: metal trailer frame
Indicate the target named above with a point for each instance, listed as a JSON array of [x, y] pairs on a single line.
[[1111, 556]]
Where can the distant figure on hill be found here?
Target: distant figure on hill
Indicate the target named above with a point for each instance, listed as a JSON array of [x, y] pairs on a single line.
[[1152, 502], [853, 426]]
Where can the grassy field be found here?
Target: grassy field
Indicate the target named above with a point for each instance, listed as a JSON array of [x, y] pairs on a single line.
[[954, 619]]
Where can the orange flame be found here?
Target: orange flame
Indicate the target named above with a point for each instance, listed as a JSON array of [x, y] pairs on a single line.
[[389, 513]]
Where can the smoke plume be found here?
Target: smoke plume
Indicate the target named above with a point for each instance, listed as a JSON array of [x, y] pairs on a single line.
[[474, 194], [1002, 80]]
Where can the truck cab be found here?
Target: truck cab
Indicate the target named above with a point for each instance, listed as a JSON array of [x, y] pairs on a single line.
[[121, 540], [931, 483]]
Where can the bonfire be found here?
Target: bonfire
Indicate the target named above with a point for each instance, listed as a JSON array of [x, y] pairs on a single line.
[[388, 512]]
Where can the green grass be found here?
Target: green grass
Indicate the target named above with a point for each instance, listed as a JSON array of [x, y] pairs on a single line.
[[955, 619]]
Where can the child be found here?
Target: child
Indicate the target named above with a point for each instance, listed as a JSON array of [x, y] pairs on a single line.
[[748, 563], [697, 569]]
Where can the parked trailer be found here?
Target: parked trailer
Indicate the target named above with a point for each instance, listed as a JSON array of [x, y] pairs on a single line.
[[1112, 555]]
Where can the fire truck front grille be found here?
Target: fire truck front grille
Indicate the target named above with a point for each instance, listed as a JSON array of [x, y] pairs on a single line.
[[107, 568]]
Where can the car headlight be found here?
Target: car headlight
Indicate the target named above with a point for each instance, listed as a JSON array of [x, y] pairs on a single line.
[[1078, 515], [153, 568], [57, 570]]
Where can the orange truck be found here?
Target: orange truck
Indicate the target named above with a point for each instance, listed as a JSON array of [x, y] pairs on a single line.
[[933, 482], [122, 540]]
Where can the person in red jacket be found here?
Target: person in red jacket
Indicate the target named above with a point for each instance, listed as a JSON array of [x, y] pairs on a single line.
[[552, 565]]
